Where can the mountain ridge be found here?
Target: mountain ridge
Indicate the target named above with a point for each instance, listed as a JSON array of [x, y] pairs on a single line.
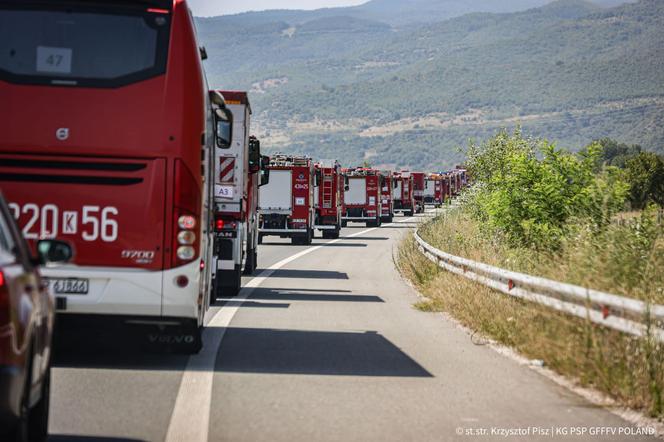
[[569, 71]]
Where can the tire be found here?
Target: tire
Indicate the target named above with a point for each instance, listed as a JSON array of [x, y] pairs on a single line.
[[336, 232], [379, 221], [409, 213], [38, 429], [344, 223], [21, 432], [252, 262], [33, 422], [227, 283], [309, 237], [296, 240]]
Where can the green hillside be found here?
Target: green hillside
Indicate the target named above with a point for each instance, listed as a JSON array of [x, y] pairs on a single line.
[[358, 88]]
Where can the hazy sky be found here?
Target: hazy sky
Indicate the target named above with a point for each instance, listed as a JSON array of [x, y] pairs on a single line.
[[204, 8]]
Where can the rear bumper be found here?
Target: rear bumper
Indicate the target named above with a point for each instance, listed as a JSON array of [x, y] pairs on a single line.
[[11, 382], [281, 231], [359, 218], [125, 331], [122, 291], [325, 227]]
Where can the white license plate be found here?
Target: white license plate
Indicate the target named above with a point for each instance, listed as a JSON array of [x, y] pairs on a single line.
[[69, 286]]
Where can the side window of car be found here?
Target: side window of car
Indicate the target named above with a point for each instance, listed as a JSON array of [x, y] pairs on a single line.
[[11, 242], [7, 243]]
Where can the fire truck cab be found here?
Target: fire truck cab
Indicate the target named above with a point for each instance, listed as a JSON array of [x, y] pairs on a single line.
[[362, 197], [433, 190], [286, 206], [403, 193]]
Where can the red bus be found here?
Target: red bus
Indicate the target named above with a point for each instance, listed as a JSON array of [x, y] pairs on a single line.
[[107, 133]]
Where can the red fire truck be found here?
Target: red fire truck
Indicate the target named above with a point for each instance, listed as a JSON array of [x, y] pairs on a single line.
[[107, 143], [404, 202], [418, 191], [433, 190], [387, 196], [362, 197], [286, 204], [237, 178], [328, 195], [464, 176], [446, 182]]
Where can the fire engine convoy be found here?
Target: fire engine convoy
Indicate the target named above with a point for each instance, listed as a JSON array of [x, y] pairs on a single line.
[[404, 201], [237, 179], [286, 204], [328, 197], [362, 197]]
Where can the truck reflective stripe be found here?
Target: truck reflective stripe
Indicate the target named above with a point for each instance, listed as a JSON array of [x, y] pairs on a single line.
[[227, 168]]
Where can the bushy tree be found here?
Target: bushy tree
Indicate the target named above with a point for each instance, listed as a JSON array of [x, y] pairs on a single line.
[[645, 174], [528, 190], [615, 153]]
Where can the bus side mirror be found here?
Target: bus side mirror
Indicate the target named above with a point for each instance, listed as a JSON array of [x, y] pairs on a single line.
[[223, 128], [254, 155]]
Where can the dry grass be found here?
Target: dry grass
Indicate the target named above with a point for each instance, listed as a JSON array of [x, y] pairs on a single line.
[[628, 369], [626, 259]]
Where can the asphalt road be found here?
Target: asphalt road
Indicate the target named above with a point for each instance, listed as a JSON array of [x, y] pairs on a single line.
[[323, 345]]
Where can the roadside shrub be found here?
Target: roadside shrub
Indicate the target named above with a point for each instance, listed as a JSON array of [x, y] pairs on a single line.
[[528, 191]]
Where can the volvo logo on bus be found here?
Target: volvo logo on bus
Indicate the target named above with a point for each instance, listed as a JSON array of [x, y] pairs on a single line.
[[62, 134]]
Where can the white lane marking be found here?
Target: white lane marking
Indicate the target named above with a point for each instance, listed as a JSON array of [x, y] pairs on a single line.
[[190, 421]]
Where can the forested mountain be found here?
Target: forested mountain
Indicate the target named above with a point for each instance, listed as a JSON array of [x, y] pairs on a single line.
[[364, 86]]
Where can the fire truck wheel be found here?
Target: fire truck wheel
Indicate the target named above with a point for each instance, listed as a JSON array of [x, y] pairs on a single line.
[[228, 282], [344, 223], [409, 213], [309, 238], [251, 264]]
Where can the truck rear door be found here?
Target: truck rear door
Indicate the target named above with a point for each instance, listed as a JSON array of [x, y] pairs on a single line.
[[277, 196], [357, 192]]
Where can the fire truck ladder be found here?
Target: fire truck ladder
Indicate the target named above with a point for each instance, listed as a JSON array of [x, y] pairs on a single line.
[[328, 191]]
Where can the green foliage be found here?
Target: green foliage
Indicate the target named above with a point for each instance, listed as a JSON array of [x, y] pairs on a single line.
[[615, 153], [645, 173], [528, 191]]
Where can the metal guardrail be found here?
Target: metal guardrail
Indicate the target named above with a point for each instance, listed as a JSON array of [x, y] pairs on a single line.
[[619, 313]]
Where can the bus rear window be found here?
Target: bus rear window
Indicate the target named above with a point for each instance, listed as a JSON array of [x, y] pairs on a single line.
[[81, 45]]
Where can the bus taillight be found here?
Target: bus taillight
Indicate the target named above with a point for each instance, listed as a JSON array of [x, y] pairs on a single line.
[[187, 205]]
